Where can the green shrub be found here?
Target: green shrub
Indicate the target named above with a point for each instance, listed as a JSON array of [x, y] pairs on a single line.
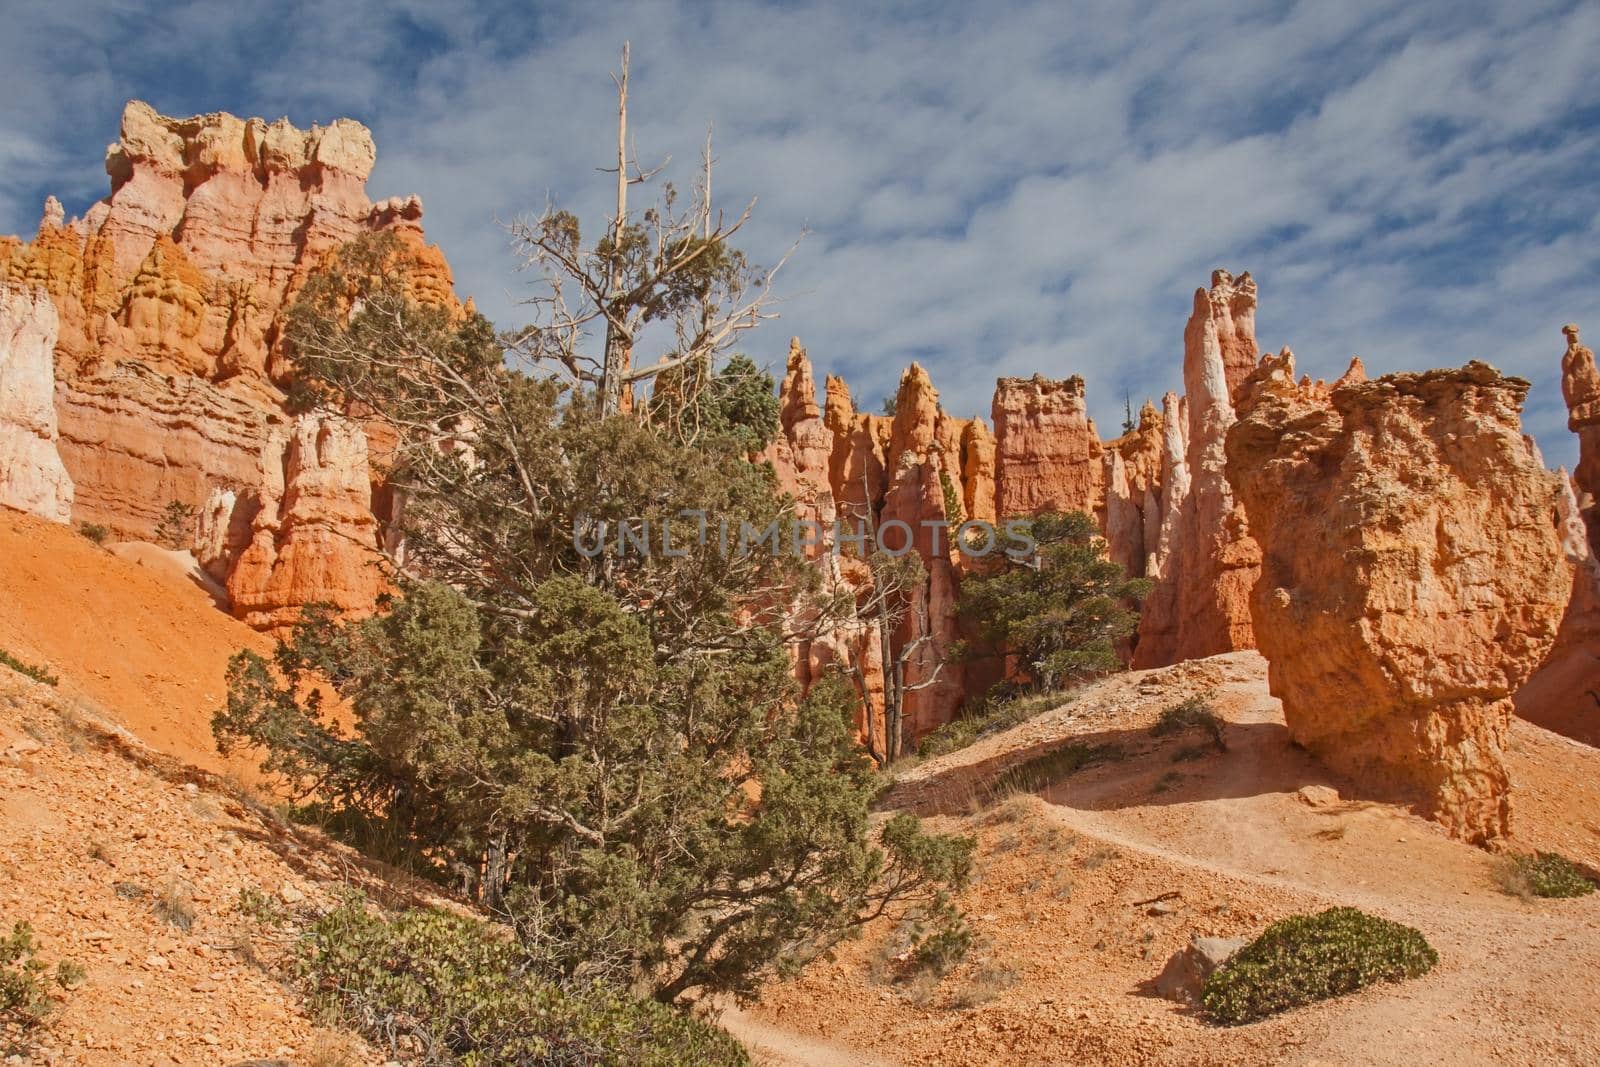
[[992, 715], [1195, 713], [445, 989], [94, 532], [606, 744], [38, 674], [941, 941], [1544, 874], [1061, 611], [24, 989], [1308, 958], [257, 904]]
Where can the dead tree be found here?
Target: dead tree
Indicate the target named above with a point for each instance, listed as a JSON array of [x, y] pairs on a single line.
[[663, 266], [898, 591]]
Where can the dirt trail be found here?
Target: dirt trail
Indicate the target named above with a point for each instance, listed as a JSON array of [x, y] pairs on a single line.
[[1244, 837], [777, 1047]]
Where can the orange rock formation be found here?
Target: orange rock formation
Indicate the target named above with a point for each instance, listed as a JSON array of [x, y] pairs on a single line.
[[1160, 492], [1413, 574], [313, 535], [1562, 695], [1047, 453], [1205, 560], [170, 294]]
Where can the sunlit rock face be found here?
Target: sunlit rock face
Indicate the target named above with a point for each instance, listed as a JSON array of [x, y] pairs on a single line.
[[1047, 453], [313, 536], [32, 477], [171, 294], [1412, 576], [1206, 562], [1561, 695]]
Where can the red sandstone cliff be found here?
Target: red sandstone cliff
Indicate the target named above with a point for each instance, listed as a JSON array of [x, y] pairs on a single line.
[[1047, 453]]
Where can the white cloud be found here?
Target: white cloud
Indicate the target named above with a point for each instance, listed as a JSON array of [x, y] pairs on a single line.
[[991, 190]]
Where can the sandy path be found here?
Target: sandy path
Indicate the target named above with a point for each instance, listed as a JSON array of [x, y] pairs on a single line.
[[1235, 835]]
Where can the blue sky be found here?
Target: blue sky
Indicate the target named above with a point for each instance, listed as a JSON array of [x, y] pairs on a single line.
[[988, 188]]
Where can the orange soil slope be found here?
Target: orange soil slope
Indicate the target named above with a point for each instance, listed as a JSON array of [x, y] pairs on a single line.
[[137, 639]]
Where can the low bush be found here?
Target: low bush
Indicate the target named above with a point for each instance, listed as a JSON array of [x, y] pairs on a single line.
[[1544, 874], [38, 674], [990, 716], [175, 905], [941, 941], [94, 532], [1195, 713], [1307, 958], [25, 989], [437, 988], [989, 981]]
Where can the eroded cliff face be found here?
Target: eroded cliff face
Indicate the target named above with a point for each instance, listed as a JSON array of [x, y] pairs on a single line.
[[1580, 385], [313, 537], [32, 477], [1233, 314], [908, 476], [1133, 508], [803, 448], [924, 477], [171, 294], [1412, 574]]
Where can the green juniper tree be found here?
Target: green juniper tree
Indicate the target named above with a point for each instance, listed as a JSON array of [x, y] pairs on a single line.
[[1061, 610], [601, 743]]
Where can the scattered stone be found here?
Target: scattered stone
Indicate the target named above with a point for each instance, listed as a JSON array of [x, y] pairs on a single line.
[[1187, 970], [1318, 796]]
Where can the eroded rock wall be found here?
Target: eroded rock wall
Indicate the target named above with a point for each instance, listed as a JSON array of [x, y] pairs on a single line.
[[1564, 694], [1205, 561], [1047, 452], [313, 537]]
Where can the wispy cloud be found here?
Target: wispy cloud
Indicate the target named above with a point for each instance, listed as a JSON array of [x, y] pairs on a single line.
[[989, 189]]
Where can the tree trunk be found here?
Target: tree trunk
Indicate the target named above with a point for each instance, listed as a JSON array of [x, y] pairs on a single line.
[[617, 341]]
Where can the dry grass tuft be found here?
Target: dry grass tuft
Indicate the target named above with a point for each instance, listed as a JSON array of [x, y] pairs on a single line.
[[175, 904], [991, 979]]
